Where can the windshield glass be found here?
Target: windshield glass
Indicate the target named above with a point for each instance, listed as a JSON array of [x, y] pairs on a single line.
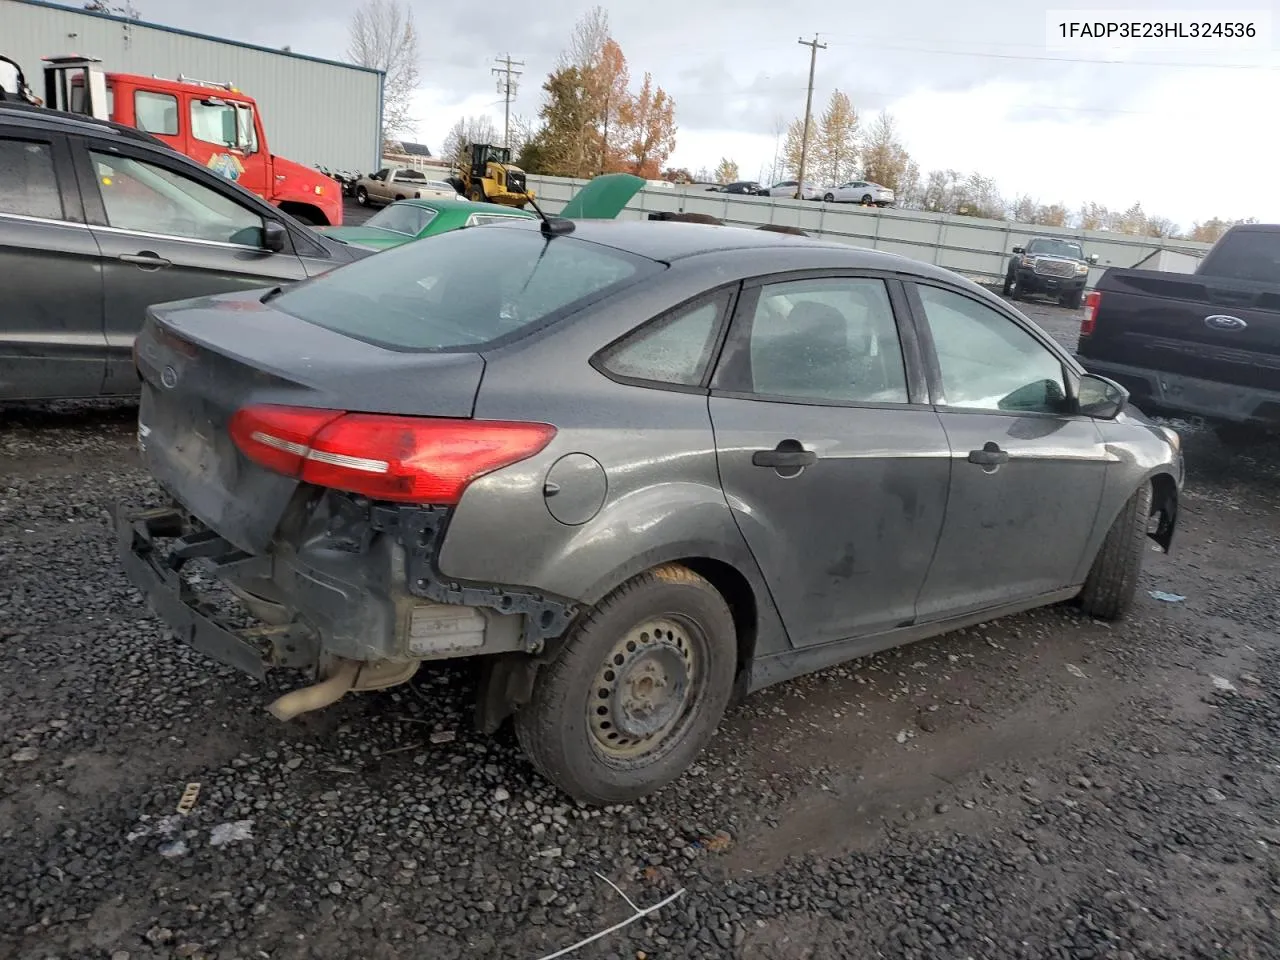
[[443, 292], [407, 218], [1056, 248]]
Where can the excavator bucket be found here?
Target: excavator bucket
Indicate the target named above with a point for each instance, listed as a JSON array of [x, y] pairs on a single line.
[[603, 198]]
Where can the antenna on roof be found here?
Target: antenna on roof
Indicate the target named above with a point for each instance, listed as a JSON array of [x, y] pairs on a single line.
[[551, 226]]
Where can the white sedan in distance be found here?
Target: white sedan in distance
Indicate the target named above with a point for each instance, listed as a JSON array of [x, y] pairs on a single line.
[[787, 189], [859, 191]]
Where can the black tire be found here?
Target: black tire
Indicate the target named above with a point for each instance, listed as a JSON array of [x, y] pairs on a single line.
[[477, 193], [1073, 300], [829, 198], [362, 196], [564, 728], [1113, 579], [866, 199], [1008, 284], [1014, 291]]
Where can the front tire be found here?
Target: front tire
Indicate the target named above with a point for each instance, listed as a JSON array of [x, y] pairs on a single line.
[[1008, 284], [637, 691], [829, 198], [362, 196], [1113, 579], [866, 199], [1073, 300]]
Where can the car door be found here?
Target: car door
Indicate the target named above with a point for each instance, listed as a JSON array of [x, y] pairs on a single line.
[[1027, 475], [51, 335], [168, 232], [834, 464]]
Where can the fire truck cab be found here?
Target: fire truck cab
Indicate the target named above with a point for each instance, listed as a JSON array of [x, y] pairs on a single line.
[[212, 123]]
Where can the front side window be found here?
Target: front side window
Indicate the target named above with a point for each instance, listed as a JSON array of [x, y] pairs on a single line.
[[214, 123], [676, 349], [443, 293], [28, 183], [148, 198], [403, 218], [831, 339], [156, 112], [246, 129], [987, 361]]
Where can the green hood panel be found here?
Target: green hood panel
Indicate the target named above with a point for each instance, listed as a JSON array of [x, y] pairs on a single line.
[[603, 198]]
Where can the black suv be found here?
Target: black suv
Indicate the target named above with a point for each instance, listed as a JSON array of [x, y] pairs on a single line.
[[748, 187], [1049, 266], [97, 222]]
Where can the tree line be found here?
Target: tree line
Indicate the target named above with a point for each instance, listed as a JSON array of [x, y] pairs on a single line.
[[594, 119]]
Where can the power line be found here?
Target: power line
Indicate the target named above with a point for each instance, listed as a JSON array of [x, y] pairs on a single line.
[[507, 86], [814, 46]]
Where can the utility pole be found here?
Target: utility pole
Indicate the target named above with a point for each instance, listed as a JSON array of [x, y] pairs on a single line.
[[507, 86], [814, 46]]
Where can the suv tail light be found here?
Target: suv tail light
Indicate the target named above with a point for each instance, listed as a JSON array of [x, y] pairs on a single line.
[[1091, 304], [384, 457]]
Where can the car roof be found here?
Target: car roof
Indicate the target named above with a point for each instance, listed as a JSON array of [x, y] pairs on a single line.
[[45, 118], [462, 205]]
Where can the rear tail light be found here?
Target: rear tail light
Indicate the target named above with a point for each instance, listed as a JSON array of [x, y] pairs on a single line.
[[1091, 304], [406, 459]]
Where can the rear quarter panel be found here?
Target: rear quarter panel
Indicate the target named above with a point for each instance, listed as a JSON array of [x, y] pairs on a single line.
[[663, 499]]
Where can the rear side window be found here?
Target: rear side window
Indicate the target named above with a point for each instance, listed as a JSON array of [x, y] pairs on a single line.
[[461, 289], [28, 185], [675, 349], [156, 112], [1245, 255]]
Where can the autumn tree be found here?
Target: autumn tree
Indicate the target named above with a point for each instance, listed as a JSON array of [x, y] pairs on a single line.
[[609, 92], [677, 175], [727, 171], [1027, 210], [792, 145], [383, 36], [1160, 227], [468, 130], [1095, 216], [834, 151], [648, 123], [1132, 221], [1210, 230], [885, 160], [567, 143]]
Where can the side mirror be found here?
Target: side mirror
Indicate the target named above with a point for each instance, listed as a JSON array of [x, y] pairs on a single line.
[[1092, 258], [1019, 250], [274, 236], [1100, 398]]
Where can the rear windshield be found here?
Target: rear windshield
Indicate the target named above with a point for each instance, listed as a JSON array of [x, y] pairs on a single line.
[[1245, 255], [461, 289]]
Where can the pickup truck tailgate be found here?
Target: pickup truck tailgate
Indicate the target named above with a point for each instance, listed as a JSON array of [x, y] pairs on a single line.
[[1210, 328]]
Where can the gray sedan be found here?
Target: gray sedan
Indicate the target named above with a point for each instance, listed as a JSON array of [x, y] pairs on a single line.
[[645, 470]]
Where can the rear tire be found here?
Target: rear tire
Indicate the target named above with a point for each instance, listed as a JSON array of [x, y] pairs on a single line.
[[1238, 435], [829, 198], [1014, 291], [866, 199], [1073, 300], [1113, 579], [477, 193], [1008, 284], [660, 651], [362, 196]]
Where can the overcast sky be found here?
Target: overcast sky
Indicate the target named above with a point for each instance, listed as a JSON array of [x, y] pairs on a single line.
[[1187, 128]]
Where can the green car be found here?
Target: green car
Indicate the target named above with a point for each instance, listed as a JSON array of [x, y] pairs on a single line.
[[404, 220]]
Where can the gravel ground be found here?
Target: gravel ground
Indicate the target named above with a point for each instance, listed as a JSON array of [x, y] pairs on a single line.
[[1044, 786]]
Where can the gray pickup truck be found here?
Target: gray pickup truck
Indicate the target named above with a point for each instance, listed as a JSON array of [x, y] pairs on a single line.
[[1203, 344]]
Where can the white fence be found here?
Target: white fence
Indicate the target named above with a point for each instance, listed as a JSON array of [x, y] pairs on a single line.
[[978, 249]]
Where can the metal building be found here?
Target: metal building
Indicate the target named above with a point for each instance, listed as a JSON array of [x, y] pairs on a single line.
[[314, 111]]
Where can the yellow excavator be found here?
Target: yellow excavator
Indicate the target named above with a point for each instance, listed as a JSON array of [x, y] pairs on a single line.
[[492, 177]]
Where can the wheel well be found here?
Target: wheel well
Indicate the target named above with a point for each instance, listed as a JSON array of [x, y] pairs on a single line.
[[1164, 504], [305, 212], [737, 593]]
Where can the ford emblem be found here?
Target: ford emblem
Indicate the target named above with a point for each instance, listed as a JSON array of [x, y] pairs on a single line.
[[1221, 321]]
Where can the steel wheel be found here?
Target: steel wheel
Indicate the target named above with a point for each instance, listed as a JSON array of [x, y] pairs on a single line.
[[645, 689]]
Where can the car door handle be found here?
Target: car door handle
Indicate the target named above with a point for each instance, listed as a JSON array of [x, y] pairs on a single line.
[[145, 258], [989, 456], [784, 458]]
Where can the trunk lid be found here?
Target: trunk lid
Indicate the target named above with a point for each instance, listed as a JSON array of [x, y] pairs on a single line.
[[1211, 328], [202, 360]]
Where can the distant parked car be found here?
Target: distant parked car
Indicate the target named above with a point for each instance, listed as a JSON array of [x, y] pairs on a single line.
[[748, 187], [787, 189], [399, 183], [859, 191], [634, 469], [406, 220], [97, 222]]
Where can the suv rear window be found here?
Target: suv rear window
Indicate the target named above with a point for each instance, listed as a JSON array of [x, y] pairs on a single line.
[[1244, 255], [461, 289]]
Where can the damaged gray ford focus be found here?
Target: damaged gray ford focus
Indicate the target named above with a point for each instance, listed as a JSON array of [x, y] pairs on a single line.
[[638, 469]]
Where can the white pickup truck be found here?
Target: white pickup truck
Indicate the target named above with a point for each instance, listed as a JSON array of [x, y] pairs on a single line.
[[399, 183]]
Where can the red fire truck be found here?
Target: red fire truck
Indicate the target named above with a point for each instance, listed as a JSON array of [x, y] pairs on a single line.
[[213, 123]]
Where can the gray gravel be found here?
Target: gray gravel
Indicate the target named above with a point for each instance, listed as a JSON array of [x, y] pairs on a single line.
[[1045, 786]]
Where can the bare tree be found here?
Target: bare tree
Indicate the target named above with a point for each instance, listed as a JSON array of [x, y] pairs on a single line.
[[383, 36], [126, 9]]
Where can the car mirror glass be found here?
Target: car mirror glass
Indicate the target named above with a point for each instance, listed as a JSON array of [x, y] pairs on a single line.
[[1100, 398], [274, 236]]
